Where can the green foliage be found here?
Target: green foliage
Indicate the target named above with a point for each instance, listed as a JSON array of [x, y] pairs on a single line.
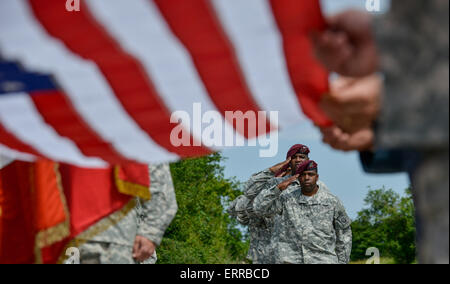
[[202, 232], [387, 224]]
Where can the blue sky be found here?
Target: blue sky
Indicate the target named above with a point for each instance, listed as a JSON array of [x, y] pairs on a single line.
[[342, 172]]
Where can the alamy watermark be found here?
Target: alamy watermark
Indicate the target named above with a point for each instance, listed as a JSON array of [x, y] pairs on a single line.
[[374, 254], [373, 6], [73, 5], [209, 127], [74, 256]]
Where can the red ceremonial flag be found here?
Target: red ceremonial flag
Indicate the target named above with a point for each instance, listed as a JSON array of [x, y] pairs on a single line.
[[45, 205], [33, 210]]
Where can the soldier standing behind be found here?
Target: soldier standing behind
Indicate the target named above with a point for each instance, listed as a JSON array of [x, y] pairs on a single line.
[[134, 238], [261, 228], [313, 225]]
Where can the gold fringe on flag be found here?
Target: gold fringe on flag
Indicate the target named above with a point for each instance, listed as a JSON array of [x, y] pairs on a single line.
[[130, 188]]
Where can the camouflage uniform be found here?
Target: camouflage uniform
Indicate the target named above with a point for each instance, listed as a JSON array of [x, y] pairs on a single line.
[[309, 230], [260, 228], [148, 219], [414, 122], [238, 210]]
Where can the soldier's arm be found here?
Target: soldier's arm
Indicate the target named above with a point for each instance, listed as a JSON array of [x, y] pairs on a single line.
[[232, 208], [259, 180], [158, 213], [343, 234], [323, 186], [238, 210], [256, 182], [267, 203], [243, 219]]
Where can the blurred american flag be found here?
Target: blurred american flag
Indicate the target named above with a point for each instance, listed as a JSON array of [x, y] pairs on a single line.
[[98, 86]]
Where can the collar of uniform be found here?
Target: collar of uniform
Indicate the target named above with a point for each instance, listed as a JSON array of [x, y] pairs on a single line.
[[319, 198]]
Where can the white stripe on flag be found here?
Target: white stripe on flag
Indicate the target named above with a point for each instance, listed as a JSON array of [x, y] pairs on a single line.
[[254, 34], [19, 115], [22, 37], [8, 155], [143, 32]]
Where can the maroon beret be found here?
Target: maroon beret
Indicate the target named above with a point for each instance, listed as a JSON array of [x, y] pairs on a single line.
[[297, 148], [306, 166]]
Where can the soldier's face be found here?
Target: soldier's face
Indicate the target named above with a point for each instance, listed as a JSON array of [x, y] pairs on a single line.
[[296, 160], [308, 180]]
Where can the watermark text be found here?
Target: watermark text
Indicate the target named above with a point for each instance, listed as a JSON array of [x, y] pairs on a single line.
[[373, 6], [73, 5], [208, 129]]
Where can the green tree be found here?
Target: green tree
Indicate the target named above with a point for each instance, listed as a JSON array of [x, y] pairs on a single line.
[[202, 232], [387, 223]]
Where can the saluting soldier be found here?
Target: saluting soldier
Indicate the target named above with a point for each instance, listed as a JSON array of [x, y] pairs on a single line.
[[261, 228], [313, 226]]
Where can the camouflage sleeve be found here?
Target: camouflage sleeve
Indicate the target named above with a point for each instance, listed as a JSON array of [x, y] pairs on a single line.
[[268, 202], [243, 219], [343, 234], [157, 213], [413, 44], [323, 186], [256, 182], [231, 210], [250, 210], [238, 209]]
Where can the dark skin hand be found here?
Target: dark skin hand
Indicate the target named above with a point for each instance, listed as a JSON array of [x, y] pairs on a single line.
[[362, 140], [143, 248], [275, 169], [296, 160], [282, 186], [353, 104], [348, 47], [293, 162]]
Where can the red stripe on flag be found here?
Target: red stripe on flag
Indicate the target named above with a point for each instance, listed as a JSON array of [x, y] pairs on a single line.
[[57, 111], [10, 140], [197, 27], [295, 20], [83, 35]]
